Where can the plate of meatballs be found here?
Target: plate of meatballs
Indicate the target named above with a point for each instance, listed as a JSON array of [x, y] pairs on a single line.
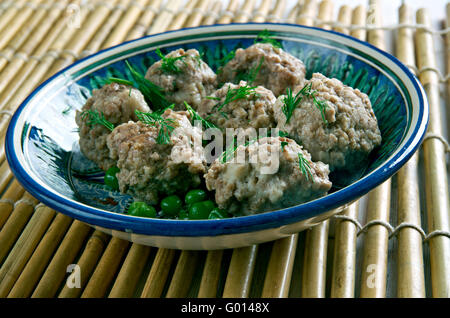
[[217, 137]]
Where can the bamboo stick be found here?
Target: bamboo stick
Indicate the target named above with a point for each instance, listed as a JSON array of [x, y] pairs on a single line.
[[159, 272], [15, 223], [126, 23], [12, 194], [244, 14], [343, 272], [31, 74], [182, 277], [447, 65], [165, 17], [314, 261], [5, 175], [279, 270], [345, 17], [229, 13], [95, 29], [211, 274], [375, 251], [68, 249], [240, 272], [130, 272], [106, 269], [101, 34], [261, 13], [24, 247], [182, 16], [277, 11], [436, 182], [293, 14], [410, 281], [19, 19], [21, 36], [34, 268], [213, 13], [33, 40], [92, 252], [307, 13], [314, 268], [198, 13], [10, 13], [145, 20], [359, 18], [325, 14]]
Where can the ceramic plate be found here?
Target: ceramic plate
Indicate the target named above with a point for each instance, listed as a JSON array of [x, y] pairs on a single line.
[[42, 138]]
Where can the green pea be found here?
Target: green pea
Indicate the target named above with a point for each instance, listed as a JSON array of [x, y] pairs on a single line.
[[195, 196], [183, 215], [217, 214], [111, 179], [171, 205], [201, 210], [142, 209]]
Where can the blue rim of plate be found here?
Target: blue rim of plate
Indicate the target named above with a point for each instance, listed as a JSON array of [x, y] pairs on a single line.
[[243, 224]]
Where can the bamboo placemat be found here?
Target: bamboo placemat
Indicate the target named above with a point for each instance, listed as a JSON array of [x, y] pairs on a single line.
[[394, 242]]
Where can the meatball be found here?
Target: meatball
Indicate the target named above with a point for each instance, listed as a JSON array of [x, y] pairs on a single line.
[[147, 167], [273, 173], [183, 76], [117, 103], [342, 134], [240, 107], [276, 69]]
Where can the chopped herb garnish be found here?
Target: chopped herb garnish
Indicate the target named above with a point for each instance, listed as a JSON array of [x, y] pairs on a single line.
[[283, 144], [168, 63], [265, 37], [166, 125], [196, 117], [153, 94], [94, 117], [320, 104], [229, 153], [234, 94], [282, 133], [290, 102], [251, 74], [304, 166], [212, 97], [119, 81]]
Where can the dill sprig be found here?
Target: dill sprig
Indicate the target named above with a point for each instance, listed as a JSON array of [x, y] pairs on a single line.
[[94, 117], [249, 75], [168, 63], [166, 125], [229, 153], [266, 37], [291, 102], [153, 94], [321, 105], [196, 117], [233, 94], [304, 166], [120, 81]]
